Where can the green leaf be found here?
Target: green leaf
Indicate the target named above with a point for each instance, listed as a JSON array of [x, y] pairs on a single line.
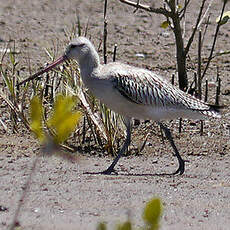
[[62, 107], [63, 120], [179, 6], [224, 19], [7, 80], [125, 226], [101, 226], [36, 114], [164, 25], [152, 213], [66, 127], [12, 57]]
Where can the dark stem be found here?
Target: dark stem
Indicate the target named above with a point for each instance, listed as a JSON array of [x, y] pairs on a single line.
[[105, 33], [214, 41], [199, 80]]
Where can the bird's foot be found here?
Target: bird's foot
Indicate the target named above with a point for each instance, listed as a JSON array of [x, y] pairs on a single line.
[[181, 168], [108, 171]]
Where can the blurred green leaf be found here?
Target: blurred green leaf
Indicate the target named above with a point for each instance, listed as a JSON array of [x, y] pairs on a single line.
[[12, 57], [101, 226], [152, 213], [36, 113], [63, 120], [164, 25], [125, 226], [179, 6], [224, 19], [7, 80]]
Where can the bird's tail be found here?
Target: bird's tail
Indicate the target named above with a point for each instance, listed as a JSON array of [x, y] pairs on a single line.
[[214, 111]]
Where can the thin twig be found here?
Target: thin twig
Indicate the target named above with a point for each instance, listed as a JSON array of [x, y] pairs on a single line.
[[173, 79], [137, 7], [214, 41], [184, 16], [147, 8], [199, 80], [180, 125], [114, 52], [86, 28], [24, 193], [218, 91], [205, 13], [201, 127], [105, 33], [144, 143], [206, 91], [195, 28], [205, 30], [183, 10]]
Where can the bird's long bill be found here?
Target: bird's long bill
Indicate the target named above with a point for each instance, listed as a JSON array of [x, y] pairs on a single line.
[[49, 67]]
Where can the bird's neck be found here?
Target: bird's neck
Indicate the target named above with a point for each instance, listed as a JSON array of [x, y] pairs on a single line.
[[90, 63]]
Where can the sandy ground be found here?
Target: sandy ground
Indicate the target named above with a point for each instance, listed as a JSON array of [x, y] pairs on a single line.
[[61, 196]]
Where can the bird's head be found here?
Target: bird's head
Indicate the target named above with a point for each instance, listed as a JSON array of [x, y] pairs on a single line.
[[78, 49]]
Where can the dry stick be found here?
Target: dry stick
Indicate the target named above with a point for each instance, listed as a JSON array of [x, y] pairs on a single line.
[[205, 13], [217, 74], [184, 16], [205, 100], [173, 79], [25, 191], [180, 125], [93, 131], [199, 79], [206, 91], [79, 26], [147, 8], [145, 141], [47, 85], [114, 52], [86, 28], [205, 30], [195, 28], [107, 130], [183, 10], [214, 41], [195, 82], [105, 33], [84, 131], [137, 7], [218, 91]]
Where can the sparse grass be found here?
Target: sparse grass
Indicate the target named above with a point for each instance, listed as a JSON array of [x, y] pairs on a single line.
[[151, 216], [99, 124]]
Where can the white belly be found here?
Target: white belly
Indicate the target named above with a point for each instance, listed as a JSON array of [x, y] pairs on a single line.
[[113, 99]]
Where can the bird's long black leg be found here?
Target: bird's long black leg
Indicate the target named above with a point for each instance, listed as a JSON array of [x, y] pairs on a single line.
[[124, 148], [170, 138]]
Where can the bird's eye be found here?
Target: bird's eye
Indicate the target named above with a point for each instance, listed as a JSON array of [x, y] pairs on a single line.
[[72, 46]]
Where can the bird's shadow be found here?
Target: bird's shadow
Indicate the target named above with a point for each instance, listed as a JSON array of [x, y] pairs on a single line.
[[134, 174]]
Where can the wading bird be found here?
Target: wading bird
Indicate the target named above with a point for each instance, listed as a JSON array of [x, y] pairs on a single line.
[[133, 93]]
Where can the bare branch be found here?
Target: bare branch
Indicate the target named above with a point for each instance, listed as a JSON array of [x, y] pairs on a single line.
[[195, 28], [138, 2], [183, 10], [147, 8], [214, 40], [205, 13], [172, 5]]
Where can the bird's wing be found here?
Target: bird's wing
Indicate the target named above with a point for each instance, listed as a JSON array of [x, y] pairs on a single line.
[[145, 87]]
